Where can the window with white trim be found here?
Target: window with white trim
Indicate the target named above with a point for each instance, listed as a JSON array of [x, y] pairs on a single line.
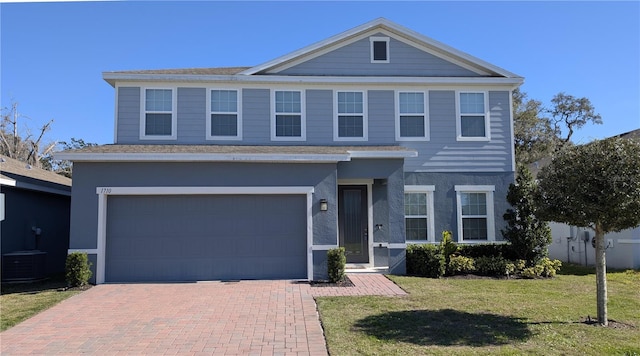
[[350, 121], [411, 116], [224, 115], [475, 213], [473, 116], [379, 49], [288, 120], [418, 213], [158, 119]]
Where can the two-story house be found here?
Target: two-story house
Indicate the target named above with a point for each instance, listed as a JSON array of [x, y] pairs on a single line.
[[371, 139]]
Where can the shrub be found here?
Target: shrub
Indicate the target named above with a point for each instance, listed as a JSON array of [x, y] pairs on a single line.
[[461, 264], [336, 261], [425, 260], [77, 269], [544, 268], [491, 266], [447, 248], [487, 250]]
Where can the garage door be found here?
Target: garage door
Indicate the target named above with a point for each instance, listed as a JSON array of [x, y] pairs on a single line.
[[205, 237]]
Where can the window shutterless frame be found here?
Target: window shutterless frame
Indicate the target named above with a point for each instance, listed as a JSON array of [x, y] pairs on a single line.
[[158, 118], [379, 49], [412, 115], [350, 116], [427, 192], [224, 114], [488, 213], [288, 119], [472, 116]]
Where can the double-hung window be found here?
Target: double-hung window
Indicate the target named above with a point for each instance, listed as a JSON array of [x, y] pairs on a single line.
[[412, 123], [418, 213], [473, 116], [158, 121], [350, 120], [288, 120], [475, 213], [224, 115]]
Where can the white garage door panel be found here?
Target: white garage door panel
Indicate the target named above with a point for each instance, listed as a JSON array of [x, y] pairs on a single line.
[[205, 237]]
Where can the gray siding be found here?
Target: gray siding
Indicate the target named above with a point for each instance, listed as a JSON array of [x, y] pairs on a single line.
[[444, 196], [443, 153], [355, 60], [128, 115]]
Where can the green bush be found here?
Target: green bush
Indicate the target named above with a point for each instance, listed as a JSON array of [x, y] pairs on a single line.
[[487, 250], [77, 269], [425, 260], [336, 261], [491, 266], [461, 264], [550, 267], [447, 247]]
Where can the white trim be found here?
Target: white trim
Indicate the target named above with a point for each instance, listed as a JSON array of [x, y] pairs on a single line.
[[303, 118], [428, 190], [238, 114], [382, 154], [205, 157], [513, 135], [373, 39], [104, 192], [365, 114], [425, 114], [490, 216], [628, 241], [487, 117], [8, 182], [323, 247], [397, 246], [321, 82], [115, 114], [174, 115]]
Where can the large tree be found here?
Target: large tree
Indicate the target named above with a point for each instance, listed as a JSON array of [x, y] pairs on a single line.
[[17, 141], [596, 185]]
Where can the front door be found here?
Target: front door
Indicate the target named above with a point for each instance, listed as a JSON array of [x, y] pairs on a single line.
[[353, 222]]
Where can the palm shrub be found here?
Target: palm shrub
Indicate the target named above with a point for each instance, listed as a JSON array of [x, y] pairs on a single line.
[[77, 269]]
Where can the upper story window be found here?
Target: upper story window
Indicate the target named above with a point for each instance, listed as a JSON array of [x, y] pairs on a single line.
[[224, 121], [158, 121], [350, 121], [288, 120], [475, 213], [418, 213], [473, 116], [379, 49], [411, 117]]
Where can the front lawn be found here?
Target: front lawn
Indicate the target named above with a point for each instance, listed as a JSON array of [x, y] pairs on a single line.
[[487, 316], [19, 302]]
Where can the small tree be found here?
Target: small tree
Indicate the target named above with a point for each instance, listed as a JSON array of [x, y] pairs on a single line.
[[77, 269], [596, 185], [528, 234]]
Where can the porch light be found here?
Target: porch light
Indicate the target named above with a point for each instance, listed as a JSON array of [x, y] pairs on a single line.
[[324, 205]]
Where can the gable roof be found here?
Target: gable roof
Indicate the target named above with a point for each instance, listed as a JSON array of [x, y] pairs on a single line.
[[381, 24], [14, 173], [487, 73]]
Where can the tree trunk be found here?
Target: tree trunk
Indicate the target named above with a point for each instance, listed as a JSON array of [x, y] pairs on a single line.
[[601, 276]]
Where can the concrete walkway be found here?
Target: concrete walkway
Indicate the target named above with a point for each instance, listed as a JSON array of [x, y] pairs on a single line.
[[207, 318]]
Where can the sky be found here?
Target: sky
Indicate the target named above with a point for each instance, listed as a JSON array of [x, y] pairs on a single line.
[[52, 55]]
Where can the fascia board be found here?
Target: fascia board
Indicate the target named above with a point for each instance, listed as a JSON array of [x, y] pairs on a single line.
[[383, 154], [277, 79], [200, 157]]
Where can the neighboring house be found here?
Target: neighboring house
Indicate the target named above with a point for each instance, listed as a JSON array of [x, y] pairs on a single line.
[[573, 244], [35, 228], [371, 139]]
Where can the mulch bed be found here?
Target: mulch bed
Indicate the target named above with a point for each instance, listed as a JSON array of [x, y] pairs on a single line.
[[346, 282]]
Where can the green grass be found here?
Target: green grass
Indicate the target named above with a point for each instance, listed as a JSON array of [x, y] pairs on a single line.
[[487, 316], [19, 302]]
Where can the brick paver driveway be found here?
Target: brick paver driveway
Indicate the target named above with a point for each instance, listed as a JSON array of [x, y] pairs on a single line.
[[221, 318]]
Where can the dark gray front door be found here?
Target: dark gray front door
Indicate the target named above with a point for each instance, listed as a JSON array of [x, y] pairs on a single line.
[[352, 222]]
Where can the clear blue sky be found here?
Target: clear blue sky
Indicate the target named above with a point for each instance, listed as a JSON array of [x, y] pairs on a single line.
[[53, 54]]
